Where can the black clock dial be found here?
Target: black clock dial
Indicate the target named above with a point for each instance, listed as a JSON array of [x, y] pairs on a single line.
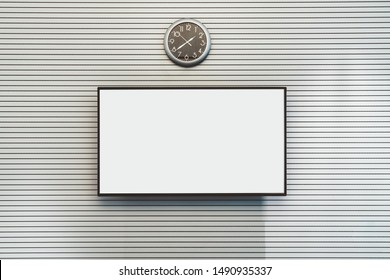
[[187, 42]]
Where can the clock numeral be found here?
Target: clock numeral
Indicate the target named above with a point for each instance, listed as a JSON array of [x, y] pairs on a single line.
[[200, 50], [202, 43], [201, 34], [186, 57], [176, 33], [179, 54], [173, 49], [181, 28], [171, 40], [196, 28], [188, 27], [194, 55]]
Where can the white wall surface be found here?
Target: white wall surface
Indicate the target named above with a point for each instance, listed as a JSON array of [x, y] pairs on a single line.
[[333, 56]]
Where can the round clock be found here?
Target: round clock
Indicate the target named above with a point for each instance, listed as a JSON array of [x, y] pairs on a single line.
[[187, 42]]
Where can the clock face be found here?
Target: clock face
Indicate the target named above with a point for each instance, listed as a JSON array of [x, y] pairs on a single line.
[[187, 42]]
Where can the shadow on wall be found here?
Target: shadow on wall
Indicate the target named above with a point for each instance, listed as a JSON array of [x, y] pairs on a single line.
[[188, 226]]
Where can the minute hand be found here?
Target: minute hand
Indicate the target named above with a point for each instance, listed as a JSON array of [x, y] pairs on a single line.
[[187, 42]]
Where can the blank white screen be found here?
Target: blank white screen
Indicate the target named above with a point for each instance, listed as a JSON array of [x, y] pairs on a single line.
[[191, 141]]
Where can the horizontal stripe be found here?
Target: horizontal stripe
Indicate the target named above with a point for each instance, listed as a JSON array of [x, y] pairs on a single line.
[[331, 55]]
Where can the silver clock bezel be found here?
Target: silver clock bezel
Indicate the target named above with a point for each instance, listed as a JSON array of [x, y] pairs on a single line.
[[201, 57]]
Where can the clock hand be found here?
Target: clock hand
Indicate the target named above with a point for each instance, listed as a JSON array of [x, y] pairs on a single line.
[[181, 46], [187, 42], [191, 40]]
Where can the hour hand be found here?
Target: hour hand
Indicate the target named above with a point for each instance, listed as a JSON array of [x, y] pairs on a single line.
[[186, 42], [191, 40]]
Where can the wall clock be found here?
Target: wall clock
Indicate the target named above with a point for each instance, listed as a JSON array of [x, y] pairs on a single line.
[[187, 42]]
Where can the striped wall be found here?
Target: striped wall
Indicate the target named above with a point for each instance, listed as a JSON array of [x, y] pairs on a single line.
[[333, 56]]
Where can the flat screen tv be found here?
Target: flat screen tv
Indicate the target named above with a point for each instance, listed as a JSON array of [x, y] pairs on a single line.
[[192, 141]]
